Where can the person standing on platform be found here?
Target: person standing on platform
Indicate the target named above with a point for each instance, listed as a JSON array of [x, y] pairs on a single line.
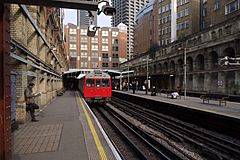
[[154, 91], [30, 100], [134, 87]]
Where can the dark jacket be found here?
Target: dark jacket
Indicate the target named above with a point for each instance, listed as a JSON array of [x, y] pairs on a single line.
[[29, 96]]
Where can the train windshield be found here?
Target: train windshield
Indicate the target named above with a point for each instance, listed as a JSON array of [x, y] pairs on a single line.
[[98, 83], [90, 83], [105, 83]]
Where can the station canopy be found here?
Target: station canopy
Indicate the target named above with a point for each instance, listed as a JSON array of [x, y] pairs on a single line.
[[80, 73]]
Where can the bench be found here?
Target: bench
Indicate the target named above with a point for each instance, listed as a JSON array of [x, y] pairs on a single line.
[[220, 98]]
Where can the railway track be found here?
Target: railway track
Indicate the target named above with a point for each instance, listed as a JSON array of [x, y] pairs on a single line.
[[137, 142], [208, 144]]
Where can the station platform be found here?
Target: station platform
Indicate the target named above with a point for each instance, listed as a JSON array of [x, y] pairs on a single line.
[[232, 109], [67, 130]]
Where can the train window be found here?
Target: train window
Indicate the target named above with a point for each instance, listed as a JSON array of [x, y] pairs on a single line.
[[90, 83], [98, 83], [105, 83]]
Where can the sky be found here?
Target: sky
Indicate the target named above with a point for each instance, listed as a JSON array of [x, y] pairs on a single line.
[[70, 16]]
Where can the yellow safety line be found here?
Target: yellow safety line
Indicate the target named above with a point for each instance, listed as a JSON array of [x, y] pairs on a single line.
[[94, 133]]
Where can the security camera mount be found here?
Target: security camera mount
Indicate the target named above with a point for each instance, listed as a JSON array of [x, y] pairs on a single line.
[[106, 9]]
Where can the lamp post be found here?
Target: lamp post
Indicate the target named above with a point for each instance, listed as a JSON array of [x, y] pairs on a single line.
[[185, 73], [147, 72], [185, 69], [128, 76]]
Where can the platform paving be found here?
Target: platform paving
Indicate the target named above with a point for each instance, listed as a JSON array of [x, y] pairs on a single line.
[[232, 109], [60, 134]]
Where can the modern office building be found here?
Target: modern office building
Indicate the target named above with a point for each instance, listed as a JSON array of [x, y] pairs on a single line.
[[104, 51], [126, 14], [83, 18]]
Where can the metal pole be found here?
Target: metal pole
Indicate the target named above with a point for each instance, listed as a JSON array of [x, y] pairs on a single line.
[[120, 81], [185, 73], [128, 76], [147, 77]]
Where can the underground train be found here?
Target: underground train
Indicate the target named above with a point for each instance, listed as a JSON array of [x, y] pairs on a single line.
[[96, 87]]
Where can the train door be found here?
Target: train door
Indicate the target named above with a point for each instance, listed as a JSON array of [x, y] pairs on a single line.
[[98, 91], [106, 87], [89, 91]]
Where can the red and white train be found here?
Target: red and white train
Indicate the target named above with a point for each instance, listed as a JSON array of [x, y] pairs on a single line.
[[96, 87]]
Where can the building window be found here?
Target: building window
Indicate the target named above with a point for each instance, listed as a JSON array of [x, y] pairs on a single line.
[[73, 39], [186, 24], [94, 54], [204, 24], [105, 40], [115, 55], [183, 25], [231, 7], [73, 53], [105, 55], [104, 48], [83, 54], [94, 47], [186, 12], [104, 64], [73, 46], [84, 47], [83, 32], [217, 5], [182, 2], [72, 31], [84, 64], [114, 34], [115, 48], [204, 12], [94, 40], [114, 41], [84, 39], [115, 65], [94, 64], [104, 33]]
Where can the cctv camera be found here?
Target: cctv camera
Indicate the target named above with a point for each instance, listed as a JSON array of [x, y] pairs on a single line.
[[108, 10], [92, 30]]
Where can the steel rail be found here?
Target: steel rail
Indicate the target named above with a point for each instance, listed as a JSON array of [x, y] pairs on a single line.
[[161, 150], [220, 144], [124, 136]]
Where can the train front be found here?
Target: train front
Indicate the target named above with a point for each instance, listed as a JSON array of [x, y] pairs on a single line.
[[97, 87]]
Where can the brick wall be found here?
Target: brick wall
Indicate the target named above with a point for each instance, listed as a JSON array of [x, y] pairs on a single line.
[[23, 32]]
